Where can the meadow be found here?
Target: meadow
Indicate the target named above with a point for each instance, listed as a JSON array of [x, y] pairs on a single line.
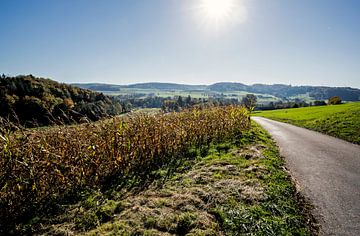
[[341, 121]]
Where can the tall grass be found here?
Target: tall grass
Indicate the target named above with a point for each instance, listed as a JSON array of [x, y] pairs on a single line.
[[42, 164]]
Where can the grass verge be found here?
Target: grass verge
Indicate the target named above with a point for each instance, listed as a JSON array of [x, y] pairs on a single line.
[[232, 188], [341, 121]]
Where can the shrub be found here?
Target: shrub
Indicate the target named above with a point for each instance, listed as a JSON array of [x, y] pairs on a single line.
[[319, 103], [334, 100]]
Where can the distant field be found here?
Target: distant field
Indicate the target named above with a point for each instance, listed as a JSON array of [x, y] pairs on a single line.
[[193, 93], [159, 93], [342, 121]]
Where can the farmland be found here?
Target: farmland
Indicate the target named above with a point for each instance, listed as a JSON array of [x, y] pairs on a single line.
[[342, 121], [184, 93], [92, 177]]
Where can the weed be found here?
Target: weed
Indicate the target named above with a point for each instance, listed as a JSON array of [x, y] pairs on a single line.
[[88, 221], [185, 223]]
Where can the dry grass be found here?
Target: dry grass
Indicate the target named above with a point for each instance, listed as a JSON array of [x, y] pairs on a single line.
[[238, 187], [36, 166], [183, 205]]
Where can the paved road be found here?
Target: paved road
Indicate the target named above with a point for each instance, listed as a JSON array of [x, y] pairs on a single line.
[[328, 172]]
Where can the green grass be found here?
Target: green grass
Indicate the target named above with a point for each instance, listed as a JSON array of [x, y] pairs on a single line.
[[237, 187], [342, 121]]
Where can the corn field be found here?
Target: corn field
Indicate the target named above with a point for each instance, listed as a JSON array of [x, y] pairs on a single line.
[[36, 165]]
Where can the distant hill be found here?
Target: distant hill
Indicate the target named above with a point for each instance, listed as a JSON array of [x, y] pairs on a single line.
[[278, 90], [34, 102], [228, 87], [281, 90], [155, 86], [99, 86]]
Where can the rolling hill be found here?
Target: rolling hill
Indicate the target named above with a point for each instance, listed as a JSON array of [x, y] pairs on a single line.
[[281, 91]]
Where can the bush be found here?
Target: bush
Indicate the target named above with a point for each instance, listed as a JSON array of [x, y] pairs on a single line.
[[319, 103], [334, 100]]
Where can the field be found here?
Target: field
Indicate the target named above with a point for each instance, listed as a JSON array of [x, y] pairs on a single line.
[[262, 98], [203, 172], [342, 121], [232, 187]]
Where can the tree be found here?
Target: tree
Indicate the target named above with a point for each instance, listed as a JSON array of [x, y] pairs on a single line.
[[180, 101], [334, 100], [319, 103], [188, 100], [249, 101]]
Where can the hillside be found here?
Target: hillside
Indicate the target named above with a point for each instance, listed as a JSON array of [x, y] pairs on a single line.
[[278, 90], [33, 102], [153, 86], [341, 121], [167, 86]]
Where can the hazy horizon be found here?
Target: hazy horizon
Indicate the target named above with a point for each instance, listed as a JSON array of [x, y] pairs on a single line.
[[203, 84], [199, 42]]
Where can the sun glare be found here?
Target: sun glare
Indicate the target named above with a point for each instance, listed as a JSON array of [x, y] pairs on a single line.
[[217, 9], [219, 14]]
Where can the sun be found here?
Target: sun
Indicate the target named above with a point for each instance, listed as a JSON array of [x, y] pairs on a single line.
[[217, 9], [221, 13]]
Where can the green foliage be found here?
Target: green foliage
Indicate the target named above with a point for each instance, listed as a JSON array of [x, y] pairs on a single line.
[[185, 223], [342, 121], [87, 221], [106, 211], [249, 101], [319, 103]]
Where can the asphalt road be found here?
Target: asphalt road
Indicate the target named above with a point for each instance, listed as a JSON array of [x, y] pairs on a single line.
[[327, 170]]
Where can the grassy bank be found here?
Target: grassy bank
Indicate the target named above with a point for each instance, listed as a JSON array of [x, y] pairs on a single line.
[[342, 121], [237, 187]]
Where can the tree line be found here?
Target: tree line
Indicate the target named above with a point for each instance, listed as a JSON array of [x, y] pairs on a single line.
[[335, 100], [176, 103], [32, 102]]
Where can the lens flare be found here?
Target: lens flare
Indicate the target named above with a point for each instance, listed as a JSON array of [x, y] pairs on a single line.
[[218, 14]]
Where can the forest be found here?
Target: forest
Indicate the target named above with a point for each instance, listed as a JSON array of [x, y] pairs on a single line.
[[31, 102]]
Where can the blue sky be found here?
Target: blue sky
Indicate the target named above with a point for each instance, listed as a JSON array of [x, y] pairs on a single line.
[[298, 42]]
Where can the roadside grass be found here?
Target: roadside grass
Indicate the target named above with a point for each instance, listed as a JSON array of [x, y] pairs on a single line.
[[238, 187], [342, 121]]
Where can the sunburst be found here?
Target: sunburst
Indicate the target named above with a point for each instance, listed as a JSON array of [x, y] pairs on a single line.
[[218, 14]]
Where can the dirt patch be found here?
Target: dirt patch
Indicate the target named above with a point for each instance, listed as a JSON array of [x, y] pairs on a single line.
[[251, 152]]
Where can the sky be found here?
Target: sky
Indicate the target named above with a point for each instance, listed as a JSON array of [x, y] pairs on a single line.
[[297, 42]]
